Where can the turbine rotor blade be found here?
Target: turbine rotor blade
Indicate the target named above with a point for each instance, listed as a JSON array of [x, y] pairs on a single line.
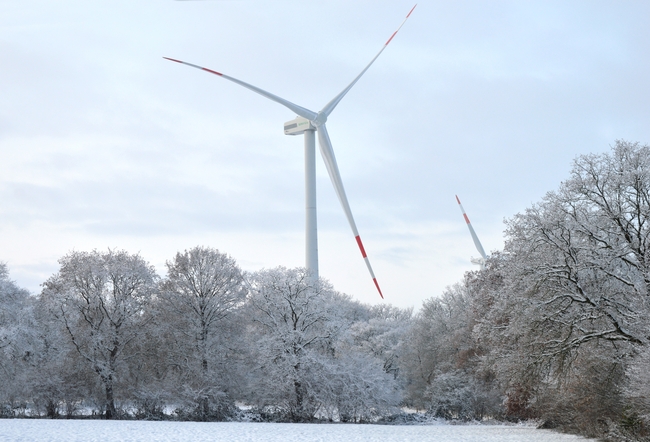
[[329, 107], [305, 113], [333, 170], [477, 243]]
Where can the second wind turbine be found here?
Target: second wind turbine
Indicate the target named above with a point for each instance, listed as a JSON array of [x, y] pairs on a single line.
[[308, 123]]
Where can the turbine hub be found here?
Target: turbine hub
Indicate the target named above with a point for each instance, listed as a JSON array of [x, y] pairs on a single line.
[[320, 119]]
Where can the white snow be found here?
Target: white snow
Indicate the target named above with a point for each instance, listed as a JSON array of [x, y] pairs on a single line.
[[17, 430]]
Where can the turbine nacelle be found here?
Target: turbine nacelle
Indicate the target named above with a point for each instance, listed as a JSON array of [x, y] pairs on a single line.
[[301, 123], [298, 126]]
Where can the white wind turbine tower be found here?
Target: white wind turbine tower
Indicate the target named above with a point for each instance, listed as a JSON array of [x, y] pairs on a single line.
[[480, 261], [308, 122]]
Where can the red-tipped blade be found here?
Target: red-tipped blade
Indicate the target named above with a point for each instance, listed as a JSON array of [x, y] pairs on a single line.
[[365, 258], [400, 26], [477, 243], [333, 170], [329, 107], [305, 113]]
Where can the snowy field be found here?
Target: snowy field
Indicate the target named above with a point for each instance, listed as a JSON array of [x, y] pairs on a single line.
[[123, 431]]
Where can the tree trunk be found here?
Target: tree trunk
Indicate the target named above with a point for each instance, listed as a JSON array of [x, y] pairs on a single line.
[[110, 400], [299, 400]]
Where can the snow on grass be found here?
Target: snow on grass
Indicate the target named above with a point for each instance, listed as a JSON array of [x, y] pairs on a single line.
[[18, 430]]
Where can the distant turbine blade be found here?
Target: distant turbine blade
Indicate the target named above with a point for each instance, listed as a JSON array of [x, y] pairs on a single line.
[[332, 104], [335, 176], [477, 243], [305, 113]]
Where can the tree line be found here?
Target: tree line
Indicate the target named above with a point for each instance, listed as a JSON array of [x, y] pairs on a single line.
[[108, 336], [554, 328]]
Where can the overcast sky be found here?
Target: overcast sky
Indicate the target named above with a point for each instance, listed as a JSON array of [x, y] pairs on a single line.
[[103, 143]]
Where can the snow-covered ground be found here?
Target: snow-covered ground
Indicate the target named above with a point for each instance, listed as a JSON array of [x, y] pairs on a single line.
[[123, 431]]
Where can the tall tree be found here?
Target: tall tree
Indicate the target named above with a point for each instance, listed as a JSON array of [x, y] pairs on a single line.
[[443, 358], [581, 257], [102, 300], [14, 306], [202, 288], [292, 316], [17, 342], [572, 302], [307, 360]]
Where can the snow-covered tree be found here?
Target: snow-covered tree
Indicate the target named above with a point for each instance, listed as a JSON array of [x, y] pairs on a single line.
[[103, 301], [443, 358], [638, 388], [576, 265], [382, 334], [202, 289], [360, 371], [17, 343], [306, 363], [572, 300], [293, 320]]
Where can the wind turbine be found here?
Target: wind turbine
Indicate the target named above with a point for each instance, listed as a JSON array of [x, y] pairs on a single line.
[[308, 122], [480, 261]]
